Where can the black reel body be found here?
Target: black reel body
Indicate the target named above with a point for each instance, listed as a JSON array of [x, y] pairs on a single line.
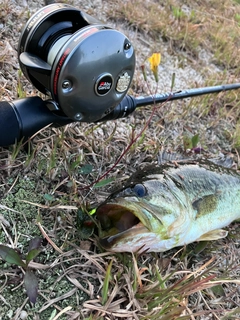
[[83, 65]]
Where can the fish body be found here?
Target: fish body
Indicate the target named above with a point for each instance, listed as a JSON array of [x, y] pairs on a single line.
[[170, 205]]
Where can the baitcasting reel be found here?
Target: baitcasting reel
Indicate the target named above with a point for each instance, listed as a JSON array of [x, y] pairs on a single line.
[[85, 69], [83, 65]]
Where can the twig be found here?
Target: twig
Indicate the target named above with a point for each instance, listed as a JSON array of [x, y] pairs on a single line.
[[48, 239]]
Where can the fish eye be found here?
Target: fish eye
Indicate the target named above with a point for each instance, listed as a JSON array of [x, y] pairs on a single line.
[[139, 190]]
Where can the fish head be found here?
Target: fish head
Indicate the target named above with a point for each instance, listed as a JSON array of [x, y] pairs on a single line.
[[145, 217]]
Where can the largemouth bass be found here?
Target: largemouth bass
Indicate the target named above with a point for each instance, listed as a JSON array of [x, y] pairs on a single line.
[[170, 205]]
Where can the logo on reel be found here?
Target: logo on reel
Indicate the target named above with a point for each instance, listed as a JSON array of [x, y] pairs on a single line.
[[103, 84]]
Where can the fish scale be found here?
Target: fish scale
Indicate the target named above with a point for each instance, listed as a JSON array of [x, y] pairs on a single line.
[[181, 202], [197, 179]]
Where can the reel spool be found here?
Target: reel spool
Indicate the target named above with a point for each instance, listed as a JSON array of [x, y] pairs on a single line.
[[84, 66]]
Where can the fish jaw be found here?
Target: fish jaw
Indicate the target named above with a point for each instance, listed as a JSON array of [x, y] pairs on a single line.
[[127, 227]]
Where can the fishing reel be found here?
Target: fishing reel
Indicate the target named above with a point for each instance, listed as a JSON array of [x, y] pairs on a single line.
[[85, 66]]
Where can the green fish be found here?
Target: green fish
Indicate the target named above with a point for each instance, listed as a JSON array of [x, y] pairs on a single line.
[[168, 205]]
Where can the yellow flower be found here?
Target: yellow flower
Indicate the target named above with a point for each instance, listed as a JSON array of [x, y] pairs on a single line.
[[154, 61]]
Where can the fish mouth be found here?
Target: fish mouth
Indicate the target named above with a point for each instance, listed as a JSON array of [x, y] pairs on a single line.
[[118, 223]]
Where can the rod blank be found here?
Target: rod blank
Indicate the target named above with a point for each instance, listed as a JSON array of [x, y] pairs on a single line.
[[158, 98]]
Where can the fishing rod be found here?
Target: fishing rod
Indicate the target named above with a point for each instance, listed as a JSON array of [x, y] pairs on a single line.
[[130, 103], [84, 68]]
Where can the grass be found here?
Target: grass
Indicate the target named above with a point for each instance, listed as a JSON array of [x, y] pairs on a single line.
[[204, 24], [42, 189]]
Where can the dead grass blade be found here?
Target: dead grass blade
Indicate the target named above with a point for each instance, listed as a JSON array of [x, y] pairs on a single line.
[[62, 297]]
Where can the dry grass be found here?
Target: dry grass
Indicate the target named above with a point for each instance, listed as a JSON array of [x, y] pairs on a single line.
[[204, 24], [40, 189]]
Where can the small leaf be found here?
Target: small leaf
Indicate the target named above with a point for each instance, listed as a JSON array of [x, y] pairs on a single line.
[[31, 285], [201, 246], [92, 211], [195, 140], [218, 290], [48, 197], [86, 169], [104, 182], [106, 283], [35, 243], [187, 142], [11, 256], [53, 314], [32, 254], [33, 248]]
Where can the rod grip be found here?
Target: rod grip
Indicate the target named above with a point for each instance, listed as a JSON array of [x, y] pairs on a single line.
[[22, 118], [9, 125]]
